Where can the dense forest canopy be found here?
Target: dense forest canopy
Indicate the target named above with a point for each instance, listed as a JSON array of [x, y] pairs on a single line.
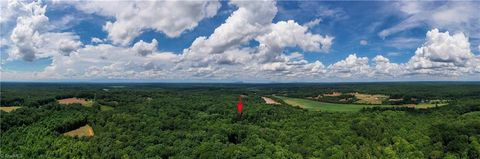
[[199, 121]]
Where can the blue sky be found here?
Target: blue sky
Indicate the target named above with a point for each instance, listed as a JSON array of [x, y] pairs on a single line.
[[360, 32]]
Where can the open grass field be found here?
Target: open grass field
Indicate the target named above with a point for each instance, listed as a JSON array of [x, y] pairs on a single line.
[[337, 107], [86, 130], [328, 107], [84, 102], [9, 109], [428, 105]]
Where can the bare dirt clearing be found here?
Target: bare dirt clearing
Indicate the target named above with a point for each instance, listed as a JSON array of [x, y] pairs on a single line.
[[86, 130], [81, 101], [270, 101], [9, 109]]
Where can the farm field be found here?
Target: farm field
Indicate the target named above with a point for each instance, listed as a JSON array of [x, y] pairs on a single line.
[[84, 102], [327, 107], [9, 108], [369, 99], [429, 105], [338, 107]]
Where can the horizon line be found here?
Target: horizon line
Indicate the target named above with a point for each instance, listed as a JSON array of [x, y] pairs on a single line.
[[237, 82]]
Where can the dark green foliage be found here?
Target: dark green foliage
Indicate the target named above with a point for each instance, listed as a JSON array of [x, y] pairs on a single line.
[[199, 121]]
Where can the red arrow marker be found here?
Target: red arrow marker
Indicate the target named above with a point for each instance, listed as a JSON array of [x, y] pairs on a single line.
[[239, 105]]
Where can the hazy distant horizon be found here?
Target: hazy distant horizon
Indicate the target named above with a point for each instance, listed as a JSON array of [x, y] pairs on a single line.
[[225, 82]]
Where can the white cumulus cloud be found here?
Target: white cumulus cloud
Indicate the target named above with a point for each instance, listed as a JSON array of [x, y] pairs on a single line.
[[31, 39], [289, 34], [250, 20], [383, 67], [143, 49], [108, 61], [351, 67], [443, 53], [133, 17]]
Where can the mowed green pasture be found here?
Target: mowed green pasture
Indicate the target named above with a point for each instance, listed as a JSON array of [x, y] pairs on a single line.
[[327, 107], [428, 105]]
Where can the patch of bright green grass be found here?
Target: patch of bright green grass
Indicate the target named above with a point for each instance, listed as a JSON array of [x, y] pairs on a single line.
[[428, 105], [89, 103], [327, 107]]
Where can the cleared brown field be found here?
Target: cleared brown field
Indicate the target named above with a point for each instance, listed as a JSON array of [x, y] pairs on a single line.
[[81, 101], [270, 101], [9, 109], [86, 130]]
